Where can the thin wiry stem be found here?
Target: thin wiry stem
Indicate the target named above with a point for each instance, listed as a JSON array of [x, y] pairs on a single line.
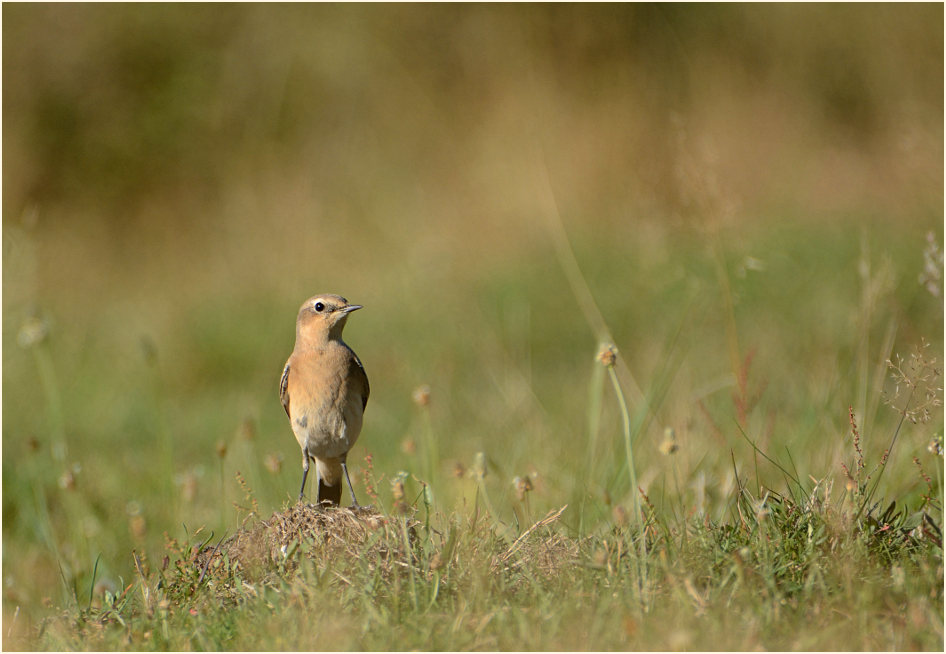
[[886, 457], [626, 419]]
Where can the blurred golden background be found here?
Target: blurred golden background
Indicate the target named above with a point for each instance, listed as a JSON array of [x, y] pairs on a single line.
[[174, 147], [178, 178]]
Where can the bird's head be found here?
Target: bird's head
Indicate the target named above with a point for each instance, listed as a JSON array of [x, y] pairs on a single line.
[[322, 318]]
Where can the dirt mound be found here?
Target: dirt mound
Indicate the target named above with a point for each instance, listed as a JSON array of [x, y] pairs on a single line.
[[363, 543], [313, 531]]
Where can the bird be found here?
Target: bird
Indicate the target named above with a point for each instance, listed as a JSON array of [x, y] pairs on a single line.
[[324, 390]]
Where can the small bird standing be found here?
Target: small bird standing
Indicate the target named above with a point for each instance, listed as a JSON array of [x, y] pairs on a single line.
[[324, 390]]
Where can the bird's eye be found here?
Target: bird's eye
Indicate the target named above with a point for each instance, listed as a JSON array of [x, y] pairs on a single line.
[[319, 307]]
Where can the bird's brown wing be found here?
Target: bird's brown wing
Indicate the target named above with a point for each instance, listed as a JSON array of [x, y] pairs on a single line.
[[284, 389], [360, 371]]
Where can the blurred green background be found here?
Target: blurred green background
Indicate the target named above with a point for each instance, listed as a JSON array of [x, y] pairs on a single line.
[[733, 180]]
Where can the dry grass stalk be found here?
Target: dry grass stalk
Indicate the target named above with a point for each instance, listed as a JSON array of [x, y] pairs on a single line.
[[547, 554], [551, 517]]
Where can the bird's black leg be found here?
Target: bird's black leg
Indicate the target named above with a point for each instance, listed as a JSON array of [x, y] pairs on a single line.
[[305, 473], [354, 502]]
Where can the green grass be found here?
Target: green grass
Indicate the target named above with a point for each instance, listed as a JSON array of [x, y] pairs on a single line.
[[748, 547]]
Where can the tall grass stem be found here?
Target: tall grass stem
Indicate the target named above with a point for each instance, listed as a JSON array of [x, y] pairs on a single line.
[[632, 473], [431, 453]]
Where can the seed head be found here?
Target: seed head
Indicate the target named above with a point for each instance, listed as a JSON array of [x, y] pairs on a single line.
[[522, 485], [422, 395], [669, 444], [138, 527], [931, 277], [247, 430], [274, 462], [479, 465], [67, 481], [936, 446], [33, 332], [397, 490], [607, 355]]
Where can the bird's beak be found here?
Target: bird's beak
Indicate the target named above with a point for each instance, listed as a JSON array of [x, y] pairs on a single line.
[[352, 307]]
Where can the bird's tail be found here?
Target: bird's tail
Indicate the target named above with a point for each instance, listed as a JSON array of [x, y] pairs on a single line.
[[330, 480]]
